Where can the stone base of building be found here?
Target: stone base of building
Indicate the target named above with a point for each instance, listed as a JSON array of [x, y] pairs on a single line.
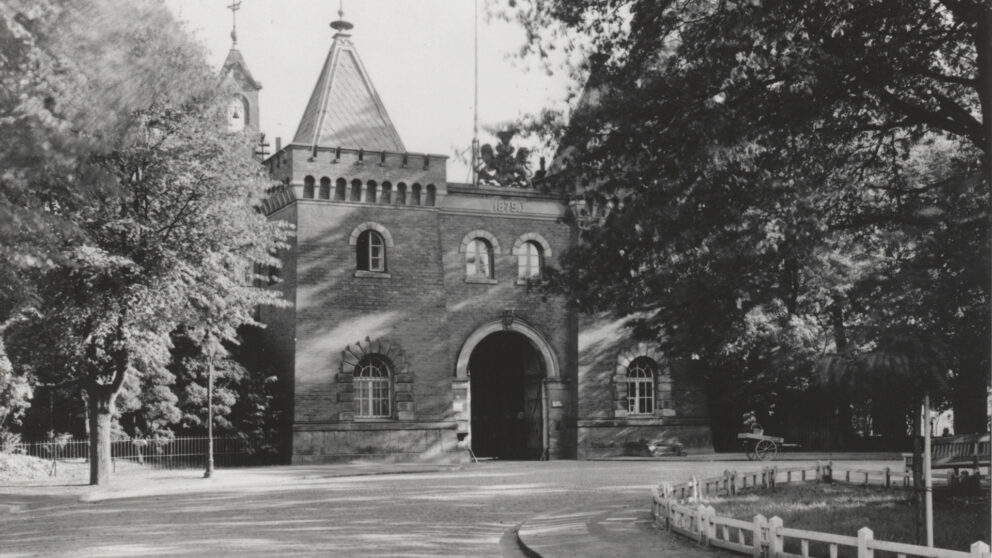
[[387, 442], [643, 438]]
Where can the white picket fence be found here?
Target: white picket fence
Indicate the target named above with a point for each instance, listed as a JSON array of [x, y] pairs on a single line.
[[679, 509]]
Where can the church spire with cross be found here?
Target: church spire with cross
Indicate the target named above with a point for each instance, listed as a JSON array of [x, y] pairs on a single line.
[[234, 7], [345, 109], [242, 110]]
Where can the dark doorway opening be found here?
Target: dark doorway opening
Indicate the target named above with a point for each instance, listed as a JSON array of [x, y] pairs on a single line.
[[506, 375]]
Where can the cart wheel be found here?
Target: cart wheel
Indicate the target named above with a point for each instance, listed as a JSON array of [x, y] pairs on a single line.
[[765, 450]]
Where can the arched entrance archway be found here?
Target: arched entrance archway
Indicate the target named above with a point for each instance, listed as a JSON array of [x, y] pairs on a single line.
[[505, 367]]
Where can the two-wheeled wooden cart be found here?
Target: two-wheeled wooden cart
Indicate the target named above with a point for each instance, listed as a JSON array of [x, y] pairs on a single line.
[[758, 446]]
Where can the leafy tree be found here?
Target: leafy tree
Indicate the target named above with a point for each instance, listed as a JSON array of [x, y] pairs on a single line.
[[15, 394], [764, 157], [147, 209]]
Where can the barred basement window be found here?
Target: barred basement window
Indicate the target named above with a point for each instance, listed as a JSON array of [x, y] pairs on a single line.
[[371, 252], [479, 259], [373, 387], [640, 386]]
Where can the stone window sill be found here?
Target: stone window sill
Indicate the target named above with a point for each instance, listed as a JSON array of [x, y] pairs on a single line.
[[481, 280], [531, 282], [372, 274], [375, 419]]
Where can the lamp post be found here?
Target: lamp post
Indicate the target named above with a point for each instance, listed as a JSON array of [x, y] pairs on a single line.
[[927, 467], [210, 413]]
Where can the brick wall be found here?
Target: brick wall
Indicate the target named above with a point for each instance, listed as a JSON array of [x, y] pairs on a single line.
[[424, 309], [604, 429]]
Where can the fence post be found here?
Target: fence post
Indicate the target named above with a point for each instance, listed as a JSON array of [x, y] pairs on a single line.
[[733, 483], [819, 472], [694, 489], [865, 538], [979, 550], [702, 525], [760, 524], [764, 477], [888, 477], [847, 476], [830, 471], [710, 525], [776, 542], [774, 476]]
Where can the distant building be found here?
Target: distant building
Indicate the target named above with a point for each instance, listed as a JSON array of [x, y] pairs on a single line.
[[417, 327]]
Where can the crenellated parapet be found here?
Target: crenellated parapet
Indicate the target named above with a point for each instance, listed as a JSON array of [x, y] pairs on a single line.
[[357, 176]]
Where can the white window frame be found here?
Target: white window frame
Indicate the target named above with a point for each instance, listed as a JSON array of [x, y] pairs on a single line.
[[377, 244], [479, 250], [530, 260], [641, 377], [373, 388]]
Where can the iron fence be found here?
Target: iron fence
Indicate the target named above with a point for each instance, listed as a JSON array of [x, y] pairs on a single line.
[[152, 453]]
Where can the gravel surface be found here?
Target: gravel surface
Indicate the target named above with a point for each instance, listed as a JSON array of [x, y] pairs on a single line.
[[315, 511]]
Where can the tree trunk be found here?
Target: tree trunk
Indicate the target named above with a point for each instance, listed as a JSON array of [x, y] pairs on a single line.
[[101, 413], [837, 322]]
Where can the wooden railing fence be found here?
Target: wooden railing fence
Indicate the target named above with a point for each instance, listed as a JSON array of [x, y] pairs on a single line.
[[680, 509]]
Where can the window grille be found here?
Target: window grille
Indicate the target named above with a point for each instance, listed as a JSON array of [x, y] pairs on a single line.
[[640, 386], [373, 388]]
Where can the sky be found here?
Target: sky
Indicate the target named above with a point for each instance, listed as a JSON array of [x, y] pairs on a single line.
[[419, 55]]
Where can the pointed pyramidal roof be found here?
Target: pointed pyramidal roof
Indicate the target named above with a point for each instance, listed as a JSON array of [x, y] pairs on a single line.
[[344, 108], [236, 62]]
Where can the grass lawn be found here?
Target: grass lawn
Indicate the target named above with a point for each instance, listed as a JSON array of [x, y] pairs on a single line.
[[843, 509]]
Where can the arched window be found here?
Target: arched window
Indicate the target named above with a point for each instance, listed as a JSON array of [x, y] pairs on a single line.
[[431, 195], [370, 191], [325, 188], [401, 193], [387, 192], [308, 186], [340, 189], [640, 386], [530, 260], [371, 251], [356, 190], [479, 259], [415, 194], [373, 387]]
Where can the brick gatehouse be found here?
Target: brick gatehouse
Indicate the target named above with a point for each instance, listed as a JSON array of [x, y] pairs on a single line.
[[416, 330]]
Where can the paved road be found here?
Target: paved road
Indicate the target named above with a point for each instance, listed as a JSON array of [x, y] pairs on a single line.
[[314, 511]]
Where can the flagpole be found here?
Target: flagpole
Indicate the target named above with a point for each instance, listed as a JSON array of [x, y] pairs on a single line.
[[475, 105]]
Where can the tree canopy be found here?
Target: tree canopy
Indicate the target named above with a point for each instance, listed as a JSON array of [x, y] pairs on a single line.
[[129, 212], [784, 179]]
